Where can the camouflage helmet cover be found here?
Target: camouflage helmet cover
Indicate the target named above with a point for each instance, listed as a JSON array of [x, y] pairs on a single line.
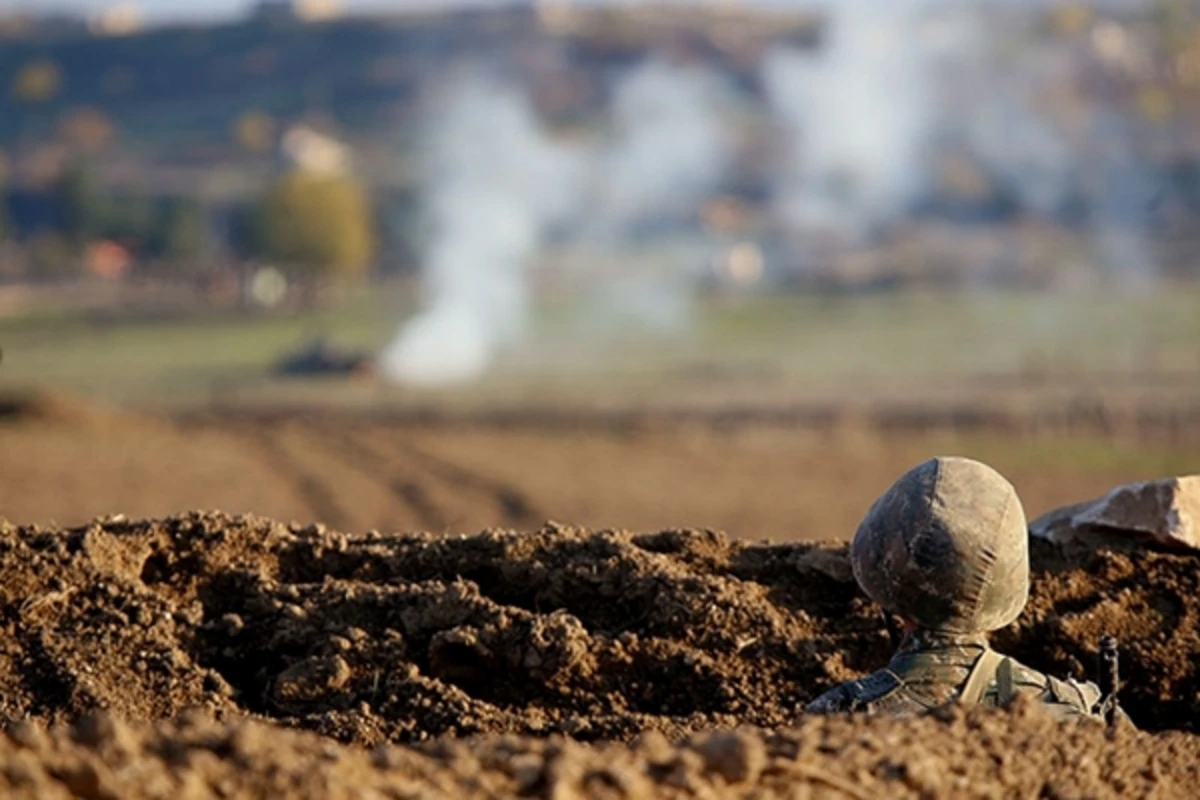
[[946, 547]]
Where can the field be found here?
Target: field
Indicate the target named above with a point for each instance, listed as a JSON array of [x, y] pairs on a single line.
[[255, 656], [726, 350], [771, 418], [754, 479]]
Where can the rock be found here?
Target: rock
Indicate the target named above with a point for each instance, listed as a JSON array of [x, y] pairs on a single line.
[[1165, 512]]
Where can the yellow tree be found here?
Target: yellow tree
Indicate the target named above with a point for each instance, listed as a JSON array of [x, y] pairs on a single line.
[[317, 223], [254, 131], [37, 82]]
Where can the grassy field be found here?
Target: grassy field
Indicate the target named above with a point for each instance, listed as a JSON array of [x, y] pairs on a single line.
[[781, 345]]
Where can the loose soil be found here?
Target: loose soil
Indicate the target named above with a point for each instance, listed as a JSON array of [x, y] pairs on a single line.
[[596, 635], [1019, 753], [598, 664], [755, 475]]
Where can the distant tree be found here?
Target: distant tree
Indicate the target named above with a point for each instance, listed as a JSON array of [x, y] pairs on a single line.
[[317, 223], [3, 197], [254, 130], [181, 232], [117, 81], [1155, 104], [1070, 18], [81, 208], [52, 255], [243, 225], [398, 220], [1172, 23], [88, 129], [37, 82], [129, 220]]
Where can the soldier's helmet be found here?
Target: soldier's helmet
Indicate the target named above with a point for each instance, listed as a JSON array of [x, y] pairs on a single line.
[[946, 547]]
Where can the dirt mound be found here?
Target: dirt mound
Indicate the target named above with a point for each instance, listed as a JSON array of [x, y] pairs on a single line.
[[997, 754], [596, 635], [52, 407]]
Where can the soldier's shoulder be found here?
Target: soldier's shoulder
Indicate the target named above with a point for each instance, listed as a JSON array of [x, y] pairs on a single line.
[[1070, 695], [857, 695]]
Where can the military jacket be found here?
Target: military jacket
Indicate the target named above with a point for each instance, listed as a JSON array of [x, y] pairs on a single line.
[[932, 669]]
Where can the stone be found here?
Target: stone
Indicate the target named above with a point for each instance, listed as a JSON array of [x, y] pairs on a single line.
[[1164, 512]]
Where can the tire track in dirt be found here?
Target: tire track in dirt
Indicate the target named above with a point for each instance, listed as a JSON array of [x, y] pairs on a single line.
[[378, 468], [514, 503], [312, 490]]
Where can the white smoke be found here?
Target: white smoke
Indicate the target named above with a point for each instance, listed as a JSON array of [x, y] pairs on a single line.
[[668, 150], [857, 115], [893, 87], [1010, 129], [495, 182], [890, 85], [895, 84], [670, 147]]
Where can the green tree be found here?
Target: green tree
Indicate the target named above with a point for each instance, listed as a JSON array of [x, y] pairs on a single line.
[[129, 220], [181, 232], [52, 256], [3, 196], [317, 223], [81, 207]]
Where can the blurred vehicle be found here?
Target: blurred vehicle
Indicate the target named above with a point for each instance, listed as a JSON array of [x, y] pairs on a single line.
[[320, 356]]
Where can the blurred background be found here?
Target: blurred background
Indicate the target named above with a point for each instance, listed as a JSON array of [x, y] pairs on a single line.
[[445, 265]]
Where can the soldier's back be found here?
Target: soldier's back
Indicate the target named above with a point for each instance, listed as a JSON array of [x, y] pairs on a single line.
[[917, 682]]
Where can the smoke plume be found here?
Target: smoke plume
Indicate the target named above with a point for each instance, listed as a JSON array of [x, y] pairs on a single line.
[[857, 116], [668, 149], [495, 182], [897, 95], [893, 85]]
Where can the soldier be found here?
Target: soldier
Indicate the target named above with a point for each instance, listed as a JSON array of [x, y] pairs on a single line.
[[946, 549]]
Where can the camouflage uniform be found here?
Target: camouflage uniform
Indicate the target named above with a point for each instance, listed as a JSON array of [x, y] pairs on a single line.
[[946, 549]]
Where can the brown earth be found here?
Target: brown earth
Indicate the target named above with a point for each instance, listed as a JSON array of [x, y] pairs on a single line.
[[241, 648], [1020, 753], [598, 635], [595, 636], [783, 477]]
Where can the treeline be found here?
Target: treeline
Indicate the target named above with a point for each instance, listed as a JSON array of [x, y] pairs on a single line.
[[187, 84], [304, 223]]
